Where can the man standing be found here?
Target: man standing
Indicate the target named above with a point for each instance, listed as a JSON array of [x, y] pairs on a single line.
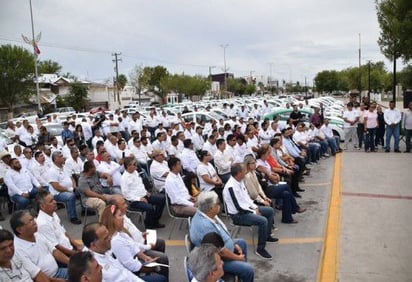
[[392, 117], [351, 118], [245, 212], [62, 186], [407, 125]]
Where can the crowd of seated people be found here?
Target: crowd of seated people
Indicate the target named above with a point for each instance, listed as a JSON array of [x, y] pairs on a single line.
[[253, 167]]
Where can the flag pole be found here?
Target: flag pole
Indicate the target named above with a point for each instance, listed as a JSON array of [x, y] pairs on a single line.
[[35, 61]]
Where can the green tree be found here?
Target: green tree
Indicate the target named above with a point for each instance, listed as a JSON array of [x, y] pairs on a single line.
[[250, 89], [151, 78], [405, 77], [78, 96], [121, 81], [49, 66], [395, 21], [327, 81], [16, 75]]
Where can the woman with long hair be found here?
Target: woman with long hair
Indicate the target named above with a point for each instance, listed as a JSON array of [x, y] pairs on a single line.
[[129, 253], [256, 180]]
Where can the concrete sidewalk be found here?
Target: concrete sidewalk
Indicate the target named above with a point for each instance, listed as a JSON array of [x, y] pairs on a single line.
[[376, 230]]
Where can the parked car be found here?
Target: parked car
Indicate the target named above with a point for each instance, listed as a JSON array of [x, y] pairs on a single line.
[[335, 123]]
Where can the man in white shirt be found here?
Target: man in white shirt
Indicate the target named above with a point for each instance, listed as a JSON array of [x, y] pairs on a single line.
[[330, 138], [62, 186], [160, 143], [73, 165], [139, 198], [350, 118], [210, 145], [135, 123], [111, 168], [189, 159], [39, 169], [151, 122], [181, 201], [97, 137], [50, 227], [22, 185], [14, 268], [139, 152], [197, 138], [96, 238], [265, 133], [392, 118], [223, 161], [111, 146], [244, 211], [159, 170], [29, 245], [27, 160]]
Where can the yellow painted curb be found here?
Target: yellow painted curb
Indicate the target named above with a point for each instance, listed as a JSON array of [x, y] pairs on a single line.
[[328, 267]]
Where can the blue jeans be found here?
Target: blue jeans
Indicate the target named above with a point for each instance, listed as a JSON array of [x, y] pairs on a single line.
[[370, 139], [22, 202], [289, 206], [70, 199], [241, 269], [408, 134], [264, 222], [389, 132], [153, 208], [332, 144], [61, 273]]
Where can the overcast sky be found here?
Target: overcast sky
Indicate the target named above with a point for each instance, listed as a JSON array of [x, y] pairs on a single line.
[[293, 39]]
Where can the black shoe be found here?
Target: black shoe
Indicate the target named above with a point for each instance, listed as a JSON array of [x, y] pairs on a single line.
[[75, 220], [397, 151], [263, 254], [297, 195], [89, 212], [407, 151], [301, 190], [1, 217], [387, 151], [272, 239]]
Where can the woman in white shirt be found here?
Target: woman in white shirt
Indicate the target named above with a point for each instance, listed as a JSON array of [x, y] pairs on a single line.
[[370, 127], [208, 178], [129, 253]]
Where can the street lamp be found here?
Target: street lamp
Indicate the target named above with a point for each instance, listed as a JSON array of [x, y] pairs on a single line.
[[210, 77], [224, 46]]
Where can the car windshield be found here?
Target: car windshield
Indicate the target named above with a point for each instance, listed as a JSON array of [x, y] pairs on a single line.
[[4, 138], [54, 129], [216, 116]]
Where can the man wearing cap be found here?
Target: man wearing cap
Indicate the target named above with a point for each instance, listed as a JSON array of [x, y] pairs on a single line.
[[22, 185], [351, 118]]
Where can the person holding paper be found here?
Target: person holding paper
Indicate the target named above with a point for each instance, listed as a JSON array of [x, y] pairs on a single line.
[[129, 253], [152, 249]]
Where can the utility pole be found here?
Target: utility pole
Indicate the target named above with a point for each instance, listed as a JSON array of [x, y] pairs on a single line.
[[369, 80], [360, 71], [394, 78], [270, 78], [210, 77], [224, 46], [116, 70]]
